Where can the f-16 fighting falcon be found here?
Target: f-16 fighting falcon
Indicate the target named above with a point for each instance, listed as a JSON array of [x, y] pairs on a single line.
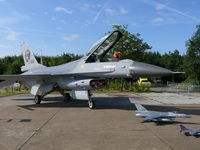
[[80, 76], [189, 132], [157, 117]]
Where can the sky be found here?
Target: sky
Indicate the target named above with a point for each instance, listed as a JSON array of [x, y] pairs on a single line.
[[54, 27]]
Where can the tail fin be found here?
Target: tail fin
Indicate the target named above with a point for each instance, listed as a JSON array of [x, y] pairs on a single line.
[[183, 127], [140, 107], [29, 59]]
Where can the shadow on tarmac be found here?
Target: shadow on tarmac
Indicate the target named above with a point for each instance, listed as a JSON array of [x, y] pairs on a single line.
[[100, 103], [121, 102], [168, 123]]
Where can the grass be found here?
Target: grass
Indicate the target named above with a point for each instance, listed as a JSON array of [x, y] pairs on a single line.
[[110, 91], [11, 91], [119, 91]]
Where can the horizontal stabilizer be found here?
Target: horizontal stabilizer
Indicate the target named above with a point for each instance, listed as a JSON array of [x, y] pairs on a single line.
[[6, 80]]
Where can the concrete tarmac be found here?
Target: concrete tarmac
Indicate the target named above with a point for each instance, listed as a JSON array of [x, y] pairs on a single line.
[[58, 125]]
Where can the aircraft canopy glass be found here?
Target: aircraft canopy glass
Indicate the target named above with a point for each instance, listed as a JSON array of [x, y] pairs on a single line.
[[102, 46]]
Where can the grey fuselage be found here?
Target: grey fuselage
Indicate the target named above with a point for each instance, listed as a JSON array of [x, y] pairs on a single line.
[[77, 70], [191, 132], [80, 68]]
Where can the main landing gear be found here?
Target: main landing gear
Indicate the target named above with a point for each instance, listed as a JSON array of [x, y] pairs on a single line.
[[38, 99], [91, 104], [67, 97]]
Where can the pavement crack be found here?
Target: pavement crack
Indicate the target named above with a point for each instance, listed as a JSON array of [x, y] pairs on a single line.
[[160, 138], [38, 129]]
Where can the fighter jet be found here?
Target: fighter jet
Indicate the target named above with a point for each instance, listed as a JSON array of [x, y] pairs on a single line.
[[80, 76], [189, 132], [157, 117]]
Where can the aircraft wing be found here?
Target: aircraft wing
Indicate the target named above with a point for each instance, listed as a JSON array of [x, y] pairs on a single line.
[[6, 80], [40, 76]]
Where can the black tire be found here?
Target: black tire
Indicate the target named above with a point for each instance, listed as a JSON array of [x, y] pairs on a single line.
[[91, 104], [187, 134], [67, 97], [37, 99], [158, 123]]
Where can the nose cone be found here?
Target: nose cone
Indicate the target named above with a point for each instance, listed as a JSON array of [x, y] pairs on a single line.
[[138, 69]]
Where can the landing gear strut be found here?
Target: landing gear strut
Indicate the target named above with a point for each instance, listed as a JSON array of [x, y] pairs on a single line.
[[67, 97], [91, 104], [38, 99]]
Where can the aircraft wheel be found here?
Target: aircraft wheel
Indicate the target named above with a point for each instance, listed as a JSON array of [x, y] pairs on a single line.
[[67, 97], [187, 134], [158, 123], [37, 99], [91, 104]]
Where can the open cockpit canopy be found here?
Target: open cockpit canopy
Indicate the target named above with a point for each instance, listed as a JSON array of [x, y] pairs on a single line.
[[102, 46]]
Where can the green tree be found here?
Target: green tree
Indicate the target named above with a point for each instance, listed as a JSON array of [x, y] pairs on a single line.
[[192, 58], [14, 66], [152, 58], [2, 67], [173, 61], [131, 45]]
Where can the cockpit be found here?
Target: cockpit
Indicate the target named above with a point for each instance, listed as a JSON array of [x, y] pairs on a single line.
[[102, 47]]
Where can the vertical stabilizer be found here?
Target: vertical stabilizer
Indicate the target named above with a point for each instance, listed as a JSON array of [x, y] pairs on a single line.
[[29, 59], [140, 107]]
